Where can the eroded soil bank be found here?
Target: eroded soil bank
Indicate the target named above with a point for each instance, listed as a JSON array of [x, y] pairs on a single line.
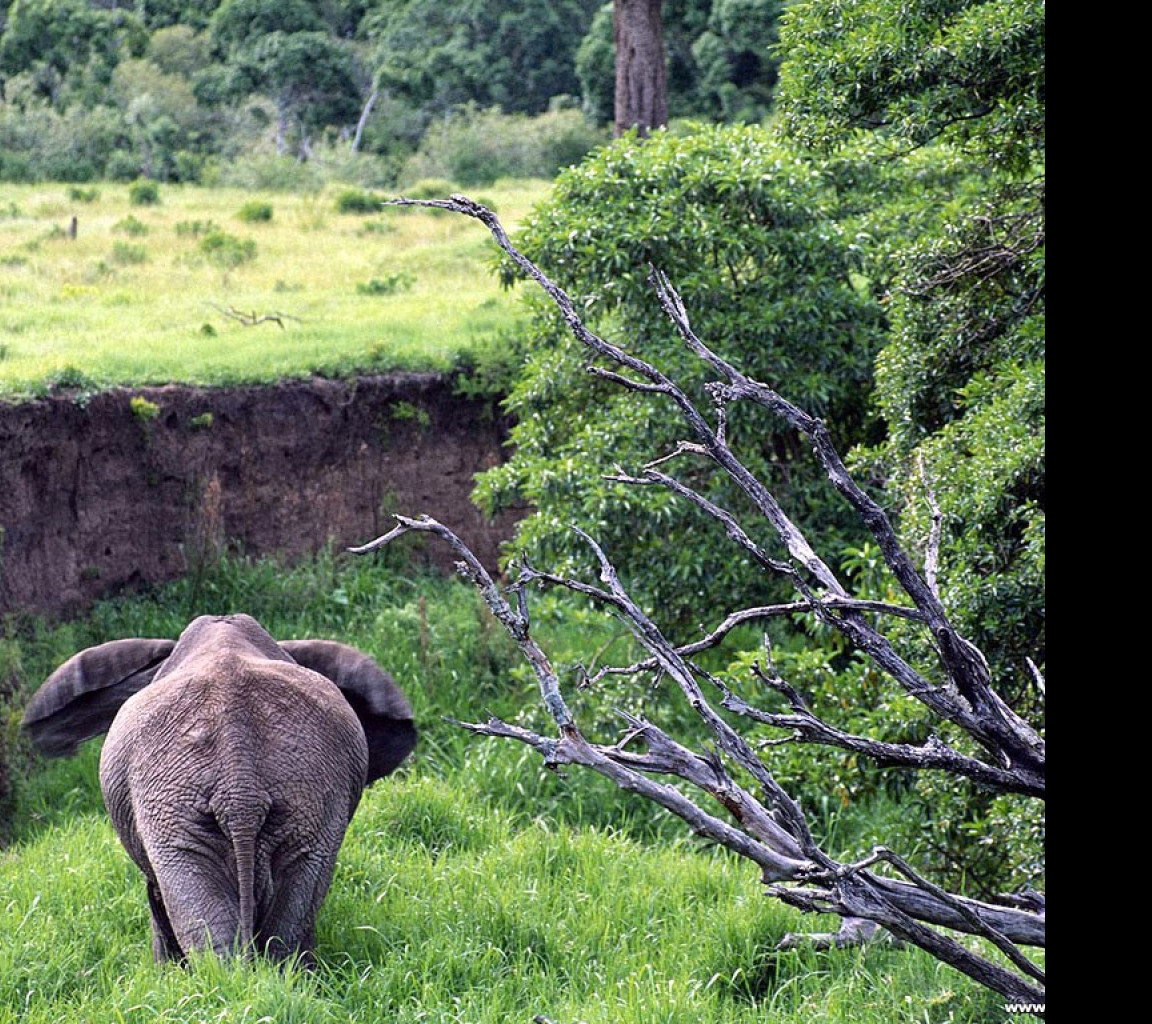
[[135, 485]]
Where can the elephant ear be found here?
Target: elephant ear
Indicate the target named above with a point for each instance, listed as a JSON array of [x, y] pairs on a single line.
[[80, 699], [382, 708]]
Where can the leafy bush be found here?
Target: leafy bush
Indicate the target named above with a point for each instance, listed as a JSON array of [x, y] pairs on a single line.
[[255, 211], [742, 228], [227, 251], [83, 195], [40, 143], [143, 193], [131, 226], [357, 201], [390, 285], [144, 410]]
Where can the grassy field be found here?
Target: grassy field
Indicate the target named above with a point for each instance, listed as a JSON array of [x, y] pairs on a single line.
[[473, 886], [138, 295]]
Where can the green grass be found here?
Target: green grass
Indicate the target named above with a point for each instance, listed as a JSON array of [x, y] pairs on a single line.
[[473, 886], [135, 312]]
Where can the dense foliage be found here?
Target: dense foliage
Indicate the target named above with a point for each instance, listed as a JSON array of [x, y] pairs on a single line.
[[960, 383], [181, 91], [921, 196], [744, 230]]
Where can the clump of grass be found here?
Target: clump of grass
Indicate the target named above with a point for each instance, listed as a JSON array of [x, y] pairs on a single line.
[[196, 228], [144, 410], [376, 227], [131, 226], [144, 193], [83, 195], [254, 212], [127, 254], [389, 285], [71, 378], [430, 188], [227, 251]]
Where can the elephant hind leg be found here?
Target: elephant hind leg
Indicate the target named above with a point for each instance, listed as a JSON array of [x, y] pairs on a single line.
[[287, 925], [201, 905], [165, 947]]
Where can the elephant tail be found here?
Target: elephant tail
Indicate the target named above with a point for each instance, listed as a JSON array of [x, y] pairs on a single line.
[[244, 849], [242, 830]]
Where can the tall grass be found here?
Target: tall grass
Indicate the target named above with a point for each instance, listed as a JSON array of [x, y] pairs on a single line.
[[153, 310], [472, 887]]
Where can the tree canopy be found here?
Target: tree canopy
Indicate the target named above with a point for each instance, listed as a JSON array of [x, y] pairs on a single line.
[[391, 71]]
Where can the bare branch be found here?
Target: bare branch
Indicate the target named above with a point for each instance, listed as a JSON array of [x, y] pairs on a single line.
[[252, 318], [854, 931], [1037, 676], [770, 828], [932, 555], [758, 613]]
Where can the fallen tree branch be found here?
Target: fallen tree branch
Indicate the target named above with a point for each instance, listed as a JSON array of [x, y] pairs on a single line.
[[770, 828], [252, 318], [775, 837]]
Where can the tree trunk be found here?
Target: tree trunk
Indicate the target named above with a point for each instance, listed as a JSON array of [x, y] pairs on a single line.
[[282, 108], [364, 114], [641, 80]]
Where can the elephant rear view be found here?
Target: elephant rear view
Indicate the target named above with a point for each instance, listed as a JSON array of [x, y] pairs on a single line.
[[231, 769]]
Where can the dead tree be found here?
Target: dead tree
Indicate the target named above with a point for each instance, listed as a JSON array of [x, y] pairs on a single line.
[[763, 823]]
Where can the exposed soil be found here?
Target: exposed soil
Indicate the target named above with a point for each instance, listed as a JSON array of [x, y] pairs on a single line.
[[101, 497]]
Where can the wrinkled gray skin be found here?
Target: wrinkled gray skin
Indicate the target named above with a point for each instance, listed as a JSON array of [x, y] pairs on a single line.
[[232, 767]]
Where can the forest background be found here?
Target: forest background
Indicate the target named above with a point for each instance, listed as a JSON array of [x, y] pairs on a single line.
[[184, 91]]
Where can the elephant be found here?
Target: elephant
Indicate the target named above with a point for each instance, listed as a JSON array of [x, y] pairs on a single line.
[[231, 769]]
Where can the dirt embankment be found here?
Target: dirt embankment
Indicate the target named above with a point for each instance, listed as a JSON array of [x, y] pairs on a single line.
[[135, 486]]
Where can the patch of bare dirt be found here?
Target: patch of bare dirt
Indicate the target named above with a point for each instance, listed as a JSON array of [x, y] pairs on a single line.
[[109, 495]]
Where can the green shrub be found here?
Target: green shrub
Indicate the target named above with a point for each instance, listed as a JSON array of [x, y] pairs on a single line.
[[742, 228], [227, 251], [357, 201], [83, 195], [71, 378], [131, 226], [144, 410], [255, 211], [389, 285], [430, 188], [144, 193]]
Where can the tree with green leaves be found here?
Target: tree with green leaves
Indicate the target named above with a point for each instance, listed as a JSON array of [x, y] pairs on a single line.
[[743, 227], [896, 92], [285, 51], [52, 40], [513, 54]]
